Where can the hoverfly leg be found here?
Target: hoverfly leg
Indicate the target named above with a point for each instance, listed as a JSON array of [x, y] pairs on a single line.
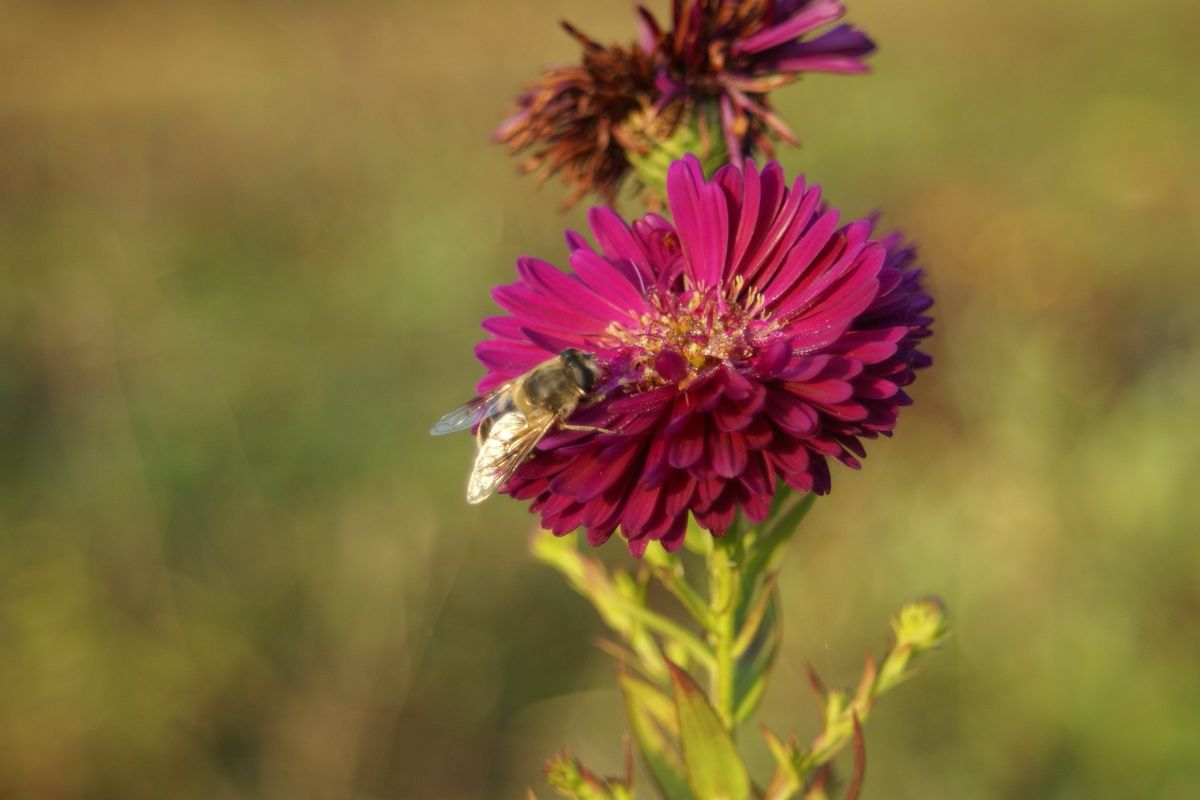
[[585, 428]]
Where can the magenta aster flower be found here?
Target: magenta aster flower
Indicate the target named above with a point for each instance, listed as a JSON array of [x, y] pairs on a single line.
[[733, 52], [746, 344]]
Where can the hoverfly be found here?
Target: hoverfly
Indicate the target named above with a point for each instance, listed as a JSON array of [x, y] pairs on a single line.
[[514, 417]]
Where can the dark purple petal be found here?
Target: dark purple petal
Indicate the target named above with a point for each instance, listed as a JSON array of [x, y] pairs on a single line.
[[548, 342], [678, 493], [819, 13], [670, 366], [507, 356], [672, 538], [729, 454], [772, 358], [575, 241], [546, 312], [758, 434], [649, 31], [757, 478], [774, 246], [614, 236], [844, 276], [687, 446], [840, 50], [598, 536], [791, 413], [641, 505], [799, 260], [825, 392], [702, 221], [606, 280]]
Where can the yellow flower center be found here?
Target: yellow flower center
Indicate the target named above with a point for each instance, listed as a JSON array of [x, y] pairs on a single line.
[[702, 328]]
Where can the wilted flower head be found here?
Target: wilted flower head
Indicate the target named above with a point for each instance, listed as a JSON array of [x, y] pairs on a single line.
[[745, 344], [573, 117], [733, 52], [700, 85]]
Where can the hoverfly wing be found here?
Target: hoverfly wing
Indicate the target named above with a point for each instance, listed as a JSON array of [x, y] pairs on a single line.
[[461, 418], [471, 413], [507, 446]]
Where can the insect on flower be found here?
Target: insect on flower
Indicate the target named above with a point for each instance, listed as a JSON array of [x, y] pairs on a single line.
[[514, 417]]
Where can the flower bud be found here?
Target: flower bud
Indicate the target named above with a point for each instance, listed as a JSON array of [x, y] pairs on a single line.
[[921, 624]]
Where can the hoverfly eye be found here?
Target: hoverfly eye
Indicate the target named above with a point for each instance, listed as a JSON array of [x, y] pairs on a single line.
[[584, 377], [580, 367]]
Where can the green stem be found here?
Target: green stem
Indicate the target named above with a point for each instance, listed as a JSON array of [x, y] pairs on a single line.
[[724, 576]]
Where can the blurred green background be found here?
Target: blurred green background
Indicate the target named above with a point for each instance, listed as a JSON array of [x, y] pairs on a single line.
[[245, 251]]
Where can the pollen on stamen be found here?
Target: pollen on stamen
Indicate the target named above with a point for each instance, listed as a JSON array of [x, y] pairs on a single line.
[[695, 328]]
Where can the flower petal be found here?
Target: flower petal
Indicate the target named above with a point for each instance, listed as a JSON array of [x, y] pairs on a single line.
[[702, 221]]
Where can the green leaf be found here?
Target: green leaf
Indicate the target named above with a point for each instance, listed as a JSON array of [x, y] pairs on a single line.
[[585, 575], [755, 665], [628, 658], [667, 628], [670, 572], [791, 517], [656, 730], [786, 780], [620, 600], [766, 543], [714, 766], [783, 523], [754, 619], [697, 540]]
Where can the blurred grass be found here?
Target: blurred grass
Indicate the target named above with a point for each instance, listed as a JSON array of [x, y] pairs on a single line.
[[245, 250]]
